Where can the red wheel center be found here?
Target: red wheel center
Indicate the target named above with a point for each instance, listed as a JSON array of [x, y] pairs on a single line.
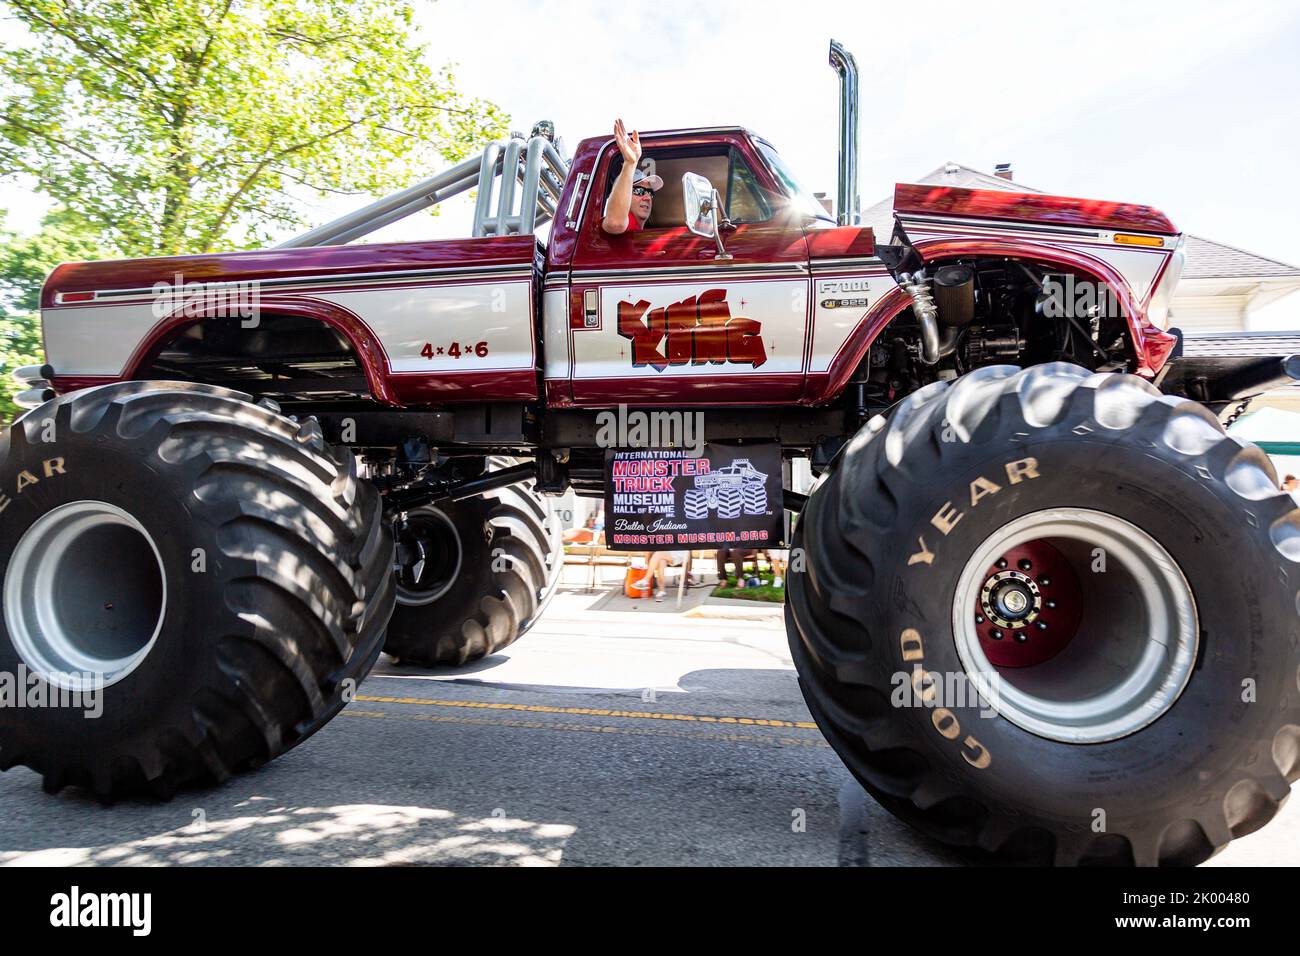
[[1029, 606]]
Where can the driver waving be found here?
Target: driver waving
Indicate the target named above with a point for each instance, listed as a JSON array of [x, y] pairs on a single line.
[[633, 194]]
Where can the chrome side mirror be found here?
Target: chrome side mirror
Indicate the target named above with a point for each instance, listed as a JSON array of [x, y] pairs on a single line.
[[702, 207]]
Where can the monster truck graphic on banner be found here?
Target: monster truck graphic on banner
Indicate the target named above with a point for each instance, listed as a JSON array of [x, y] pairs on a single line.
[[739, 487], [669, 499]]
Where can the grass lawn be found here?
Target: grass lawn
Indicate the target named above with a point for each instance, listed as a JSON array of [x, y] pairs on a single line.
[[764, 593]]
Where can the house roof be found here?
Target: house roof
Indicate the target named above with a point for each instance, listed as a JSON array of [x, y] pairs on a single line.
[[881, 215], [1234, 343], [1203, 258], [1206, 259]]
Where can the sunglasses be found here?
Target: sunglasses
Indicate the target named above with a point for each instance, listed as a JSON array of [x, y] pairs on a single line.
[[642, 191]]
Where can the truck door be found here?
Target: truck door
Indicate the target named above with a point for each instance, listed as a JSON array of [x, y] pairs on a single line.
[[657, 319]]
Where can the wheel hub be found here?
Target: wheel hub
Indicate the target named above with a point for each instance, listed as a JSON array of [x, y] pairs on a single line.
[[428, 557], [1075, 625], [84, 594], [1028, 606]]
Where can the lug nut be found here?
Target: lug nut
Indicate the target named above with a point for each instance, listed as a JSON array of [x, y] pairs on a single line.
[[1041, 625], [995, 634], [1021, 636], [1002, 563], [979, 618], [1025, 564], [1044, 580], [1051, 605]]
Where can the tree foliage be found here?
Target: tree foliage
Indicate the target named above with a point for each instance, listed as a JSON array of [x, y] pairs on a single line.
[[196, 125], [25, 261], [20, 344]]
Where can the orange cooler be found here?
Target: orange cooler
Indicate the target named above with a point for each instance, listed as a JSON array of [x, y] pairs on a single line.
[[633, 576]]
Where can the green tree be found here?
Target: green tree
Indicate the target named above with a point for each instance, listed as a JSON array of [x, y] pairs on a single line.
[[25, 261], [190, 126], [20, 344]]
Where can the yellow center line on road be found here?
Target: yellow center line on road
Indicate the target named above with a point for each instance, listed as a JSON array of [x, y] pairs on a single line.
[[764, 739], [592, 712]]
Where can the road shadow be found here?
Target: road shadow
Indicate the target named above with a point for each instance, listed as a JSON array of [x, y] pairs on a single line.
[[406, 785], [238, 825]]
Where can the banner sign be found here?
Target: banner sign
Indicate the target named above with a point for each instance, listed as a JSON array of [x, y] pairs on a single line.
[[674, 499]]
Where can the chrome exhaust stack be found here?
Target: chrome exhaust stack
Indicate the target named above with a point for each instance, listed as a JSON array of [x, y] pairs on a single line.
[[34, 380], [847, 212]]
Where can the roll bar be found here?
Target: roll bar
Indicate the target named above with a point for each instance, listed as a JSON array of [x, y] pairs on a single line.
[[513, 204]]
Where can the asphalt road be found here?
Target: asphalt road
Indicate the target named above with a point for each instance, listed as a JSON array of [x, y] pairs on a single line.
[[604, 737]]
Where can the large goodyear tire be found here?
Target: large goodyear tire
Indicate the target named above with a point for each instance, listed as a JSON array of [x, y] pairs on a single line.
[[225, 575], [1175, 566], [491, 565]]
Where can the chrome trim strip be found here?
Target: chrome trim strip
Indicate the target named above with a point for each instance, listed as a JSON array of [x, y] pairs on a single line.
[[506, 270], [693, 129], [793, 270], [841, 262], [1003, 224]]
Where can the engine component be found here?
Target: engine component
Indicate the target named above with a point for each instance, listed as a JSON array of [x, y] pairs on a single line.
[[991, 344], [954, 294], [918, 287]]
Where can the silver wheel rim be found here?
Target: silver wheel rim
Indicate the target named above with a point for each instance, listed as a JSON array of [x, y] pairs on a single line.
[[1133, 653], [85, 595], [416, 597]]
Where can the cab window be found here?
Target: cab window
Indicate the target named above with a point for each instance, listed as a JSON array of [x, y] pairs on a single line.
[[744, 200]]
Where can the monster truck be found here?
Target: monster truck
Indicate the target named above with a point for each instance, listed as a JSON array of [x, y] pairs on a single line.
[[215, 513], [731, 490]]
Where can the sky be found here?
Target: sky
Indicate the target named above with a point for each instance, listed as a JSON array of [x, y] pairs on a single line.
[[1191, 107]]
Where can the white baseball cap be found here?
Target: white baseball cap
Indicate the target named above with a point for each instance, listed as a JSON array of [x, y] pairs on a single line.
[[647, 179]]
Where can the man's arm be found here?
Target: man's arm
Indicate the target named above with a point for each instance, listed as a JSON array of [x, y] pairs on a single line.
[[620, 199], [620, 202]]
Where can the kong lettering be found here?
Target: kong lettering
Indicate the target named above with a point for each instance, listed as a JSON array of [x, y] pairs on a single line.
[[696, 331]]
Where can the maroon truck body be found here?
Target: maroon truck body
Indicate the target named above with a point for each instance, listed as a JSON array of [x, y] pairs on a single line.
[[393, 305]]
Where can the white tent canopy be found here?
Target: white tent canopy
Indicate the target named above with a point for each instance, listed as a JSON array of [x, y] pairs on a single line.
[[1272, 425], [1268, 424]]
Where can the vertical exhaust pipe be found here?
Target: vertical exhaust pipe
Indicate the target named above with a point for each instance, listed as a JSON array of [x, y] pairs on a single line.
[[846, 198]]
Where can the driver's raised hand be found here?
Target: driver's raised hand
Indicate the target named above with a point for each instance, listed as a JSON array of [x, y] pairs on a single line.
[[628, 145]]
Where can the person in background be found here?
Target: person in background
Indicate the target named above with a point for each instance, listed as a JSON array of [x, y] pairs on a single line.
[[633, 194], [589, 533], [778, 558], [656, 565], [726, 556], [1291, 485]]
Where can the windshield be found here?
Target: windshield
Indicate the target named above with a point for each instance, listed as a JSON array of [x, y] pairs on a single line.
[[803, 200]]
